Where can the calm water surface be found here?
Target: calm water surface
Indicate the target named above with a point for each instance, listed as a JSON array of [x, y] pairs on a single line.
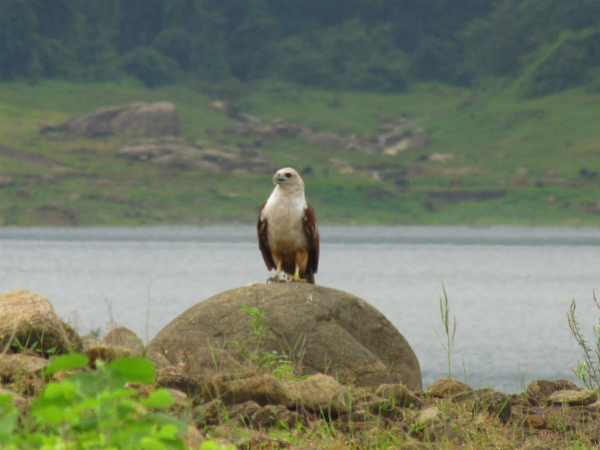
[[509, 288]]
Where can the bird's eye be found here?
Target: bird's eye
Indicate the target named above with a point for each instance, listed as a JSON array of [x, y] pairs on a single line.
[[288, 175]]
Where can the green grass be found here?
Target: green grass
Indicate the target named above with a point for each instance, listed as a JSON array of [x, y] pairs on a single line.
[[548, 139]]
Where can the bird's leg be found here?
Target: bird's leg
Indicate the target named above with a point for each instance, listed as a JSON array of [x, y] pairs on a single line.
[[278, 275], [296, 276], [301, 261]]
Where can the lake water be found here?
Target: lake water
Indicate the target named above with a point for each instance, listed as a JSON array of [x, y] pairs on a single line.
[[509, 288]]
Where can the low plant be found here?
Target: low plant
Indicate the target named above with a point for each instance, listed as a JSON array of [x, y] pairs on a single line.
[[279, 364], [450, 331], [587, 371], [94, 409]]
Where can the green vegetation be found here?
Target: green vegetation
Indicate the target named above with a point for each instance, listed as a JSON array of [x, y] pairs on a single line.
[[539, 155], [506, 91], [587, 371], [95, 409]]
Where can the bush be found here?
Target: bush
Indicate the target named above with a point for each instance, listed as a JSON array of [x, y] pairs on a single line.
[[564, 64], [151, 67]]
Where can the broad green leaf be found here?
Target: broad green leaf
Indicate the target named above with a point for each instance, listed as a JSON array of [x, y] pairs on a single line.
[[65, 390], [51, 414], [159, 399], [168, 431], [66, 362], [151, 443], [139, 370]]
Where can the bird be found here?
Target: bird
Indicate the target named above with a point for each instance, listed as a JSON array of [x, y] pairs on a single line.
[[288, 235]]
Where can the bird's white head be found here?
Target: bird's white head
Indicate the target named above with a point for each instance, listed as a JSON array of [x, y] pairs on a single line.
[[288, 180]]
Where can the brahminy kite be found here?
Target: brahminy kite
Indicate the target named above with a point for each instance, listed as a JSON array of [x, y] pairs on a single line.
[[288, 236]]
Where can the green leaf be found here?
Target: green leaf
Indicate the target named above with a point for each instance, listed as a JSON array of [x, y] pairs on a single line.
[[139, 370], [65, 390], [150, 443], [159, 399], [208, 445], [168, 431], [66, 362]]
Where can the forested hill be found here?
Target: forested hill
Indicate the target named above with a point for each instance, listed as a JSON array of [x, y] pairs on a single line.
[[379, 45]]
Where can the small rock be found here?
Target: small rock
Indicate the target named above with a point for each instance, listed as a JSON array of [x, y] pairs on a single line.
[[30, 319], [594, 406], [124, 337], [106, 353], [320, 394], [276, 416], [89, 340], [176, 377], [12, 367], [496, 404], [399, 394], [581, 397], [447, 386], [537, 421], [542, 389], [212, 413], [429, 416], [240, 388]]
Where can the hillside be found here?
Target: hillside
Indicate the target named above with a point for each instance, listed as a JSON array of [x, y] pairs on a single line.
[[434, 154]]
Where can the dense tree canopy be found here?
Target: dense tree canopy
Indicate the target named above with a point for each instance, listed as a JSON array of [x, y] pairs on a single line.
[[383, 45]]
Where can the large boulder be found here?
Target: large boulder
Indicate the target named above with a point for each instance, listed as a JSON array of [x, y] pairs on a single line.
[[323, 330], [28, 320], [138, 119]]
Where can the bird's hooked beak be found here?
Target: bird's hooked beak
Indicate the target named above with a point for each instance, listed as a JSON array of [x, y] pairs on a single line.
[[278, 178]]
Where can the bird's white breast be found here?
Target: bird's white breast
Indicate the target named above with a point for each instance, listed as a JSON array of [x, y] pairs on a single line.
[[284, 215]]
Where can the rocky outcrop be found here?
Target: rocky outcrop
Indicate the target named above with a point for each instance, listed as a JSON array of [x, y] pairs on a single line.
[[135, 119], [322, 329], [541, 390], [174, 153], [28, 320]]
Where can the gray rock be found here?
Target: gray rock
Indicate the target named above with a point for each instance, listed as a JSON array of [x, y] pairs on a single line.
[[581, 397], [124, 337], [447, 386], [139, 119], [325, 330], [212, 413], [175, 377], [541, 390], [106, 353], [14, 367], [495, 404], [399, 394], [320, 394], [237, 388], [30, 319], [429, 416]]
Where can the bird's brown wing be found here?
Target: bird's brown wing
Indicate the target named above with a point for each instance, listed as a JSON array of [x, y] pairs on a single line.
[[263, 240], [312, 234]]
